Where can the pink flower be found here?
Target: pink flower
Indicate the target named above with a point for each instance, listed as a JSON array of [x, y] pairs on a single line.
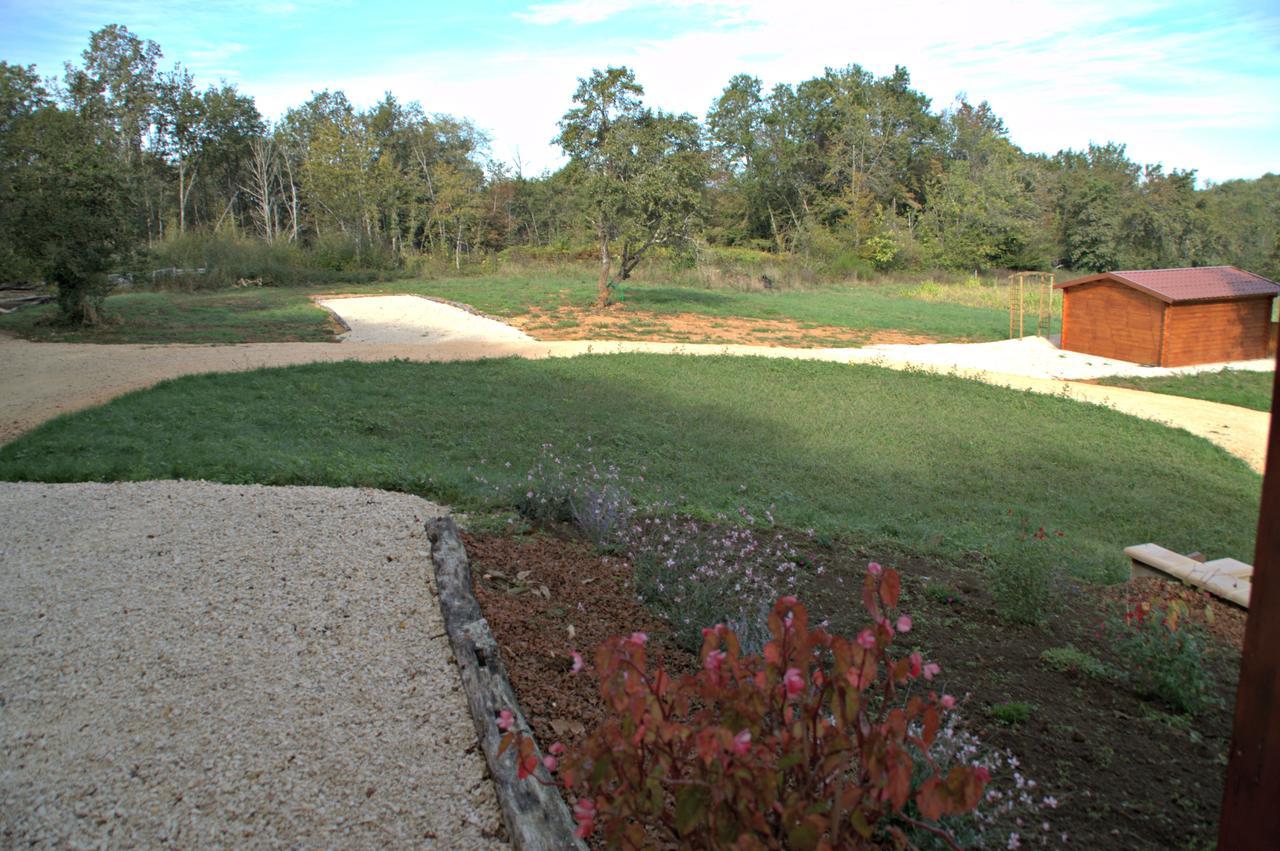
[[788, 601], [556, 749], [714, 660], [505, 720], [793, 681], [584, 813], [550, 763], [577, 662], [917, 663], [904, 623], [874, 569], [638, 638], [948, 701], [866, 639], [742, 742], [932, 670]]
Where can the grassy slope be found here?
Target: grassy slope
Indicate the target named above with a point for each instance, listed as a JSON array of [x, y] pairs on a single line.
[[266, 314], [1229, 386], [934, 462], [257, 315]]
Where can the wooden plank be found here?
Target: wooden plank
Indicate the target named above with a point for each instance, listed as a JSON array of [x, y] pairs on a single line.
[[1233, 589], [1213, 332], [534, 813], [1250, 817], [1231, 567], [1113, 320]]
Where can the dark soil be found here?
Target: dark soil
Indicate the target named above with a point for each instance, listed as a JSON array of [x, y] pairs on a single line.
[[1125, 771]]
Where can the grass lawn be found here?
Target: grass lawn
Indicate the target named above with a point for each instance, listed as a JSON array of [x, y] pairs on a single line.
[[1229, 386], [280, 314], [257, 315], [934, 463]]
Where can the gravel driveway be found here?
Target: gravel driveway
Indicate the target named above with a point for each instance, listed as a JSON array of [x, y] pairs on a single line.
[[196, 665]]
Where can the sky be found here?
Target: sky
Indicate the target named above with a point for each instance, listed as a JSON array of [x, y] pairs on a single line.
[[1192, 85]]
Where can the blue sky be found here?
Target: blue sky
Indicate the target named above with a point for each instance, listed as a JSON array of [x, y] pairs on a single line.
[[1186, 84]]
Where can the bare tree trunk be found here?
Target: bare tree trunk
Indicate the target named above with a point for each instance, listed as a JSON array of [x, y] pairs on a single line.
[[457, 248], [182, 196], [602, 286], [263, 178]]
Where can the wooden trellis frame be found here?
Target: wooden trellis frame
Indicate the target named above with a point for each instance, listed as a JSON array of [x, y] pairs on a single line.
[[1041, 283]]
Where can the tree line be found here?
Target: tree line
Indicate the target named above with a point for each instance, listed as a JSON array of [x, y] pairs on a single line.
[[849, 171]]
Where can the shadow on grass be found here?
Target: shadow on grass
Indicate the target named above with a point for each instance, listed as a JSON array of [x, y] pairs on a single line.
[[932, 462]]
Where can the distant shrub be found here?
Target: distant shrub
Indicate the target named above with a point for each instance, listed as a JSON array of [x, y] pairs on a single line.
[[215, 260]]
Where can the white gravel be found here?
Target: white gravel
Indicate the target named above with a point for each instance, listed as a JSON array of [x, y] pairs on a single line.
[[413, 319], [196, 665], [1034, 357], [410, 319]]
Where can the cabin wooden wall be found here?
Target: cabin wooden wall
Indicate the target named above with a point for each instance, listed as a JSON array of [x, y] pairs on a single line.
[[1113, 321], [1210, 332]]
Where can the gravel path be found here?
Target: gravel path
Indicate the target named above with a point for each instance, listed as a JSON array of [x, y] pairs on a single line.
[[196, 665]]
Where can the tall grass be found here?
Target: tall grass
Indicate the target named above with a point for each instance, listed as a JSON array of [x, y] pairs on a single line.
[[206, 260]]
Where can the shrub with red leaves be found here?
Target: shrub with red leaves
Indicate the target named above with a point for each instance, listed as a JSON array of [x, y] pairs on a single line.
[[807, 746]]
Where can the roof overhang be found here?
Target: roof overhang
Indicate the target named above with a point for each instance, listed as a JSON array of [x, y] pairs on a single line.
[[1129, 282]]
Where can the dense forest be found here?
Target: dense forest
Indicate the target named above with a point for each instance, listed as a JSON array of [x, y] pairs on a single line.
[[847, 174]]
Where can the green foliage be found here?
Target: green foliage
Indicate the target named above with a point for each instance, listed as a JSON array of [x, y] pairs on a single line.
[[1166, 656], [1011, 714], [230, 258], [841, 177], [641, 171], [66, 207], [1069, 660]]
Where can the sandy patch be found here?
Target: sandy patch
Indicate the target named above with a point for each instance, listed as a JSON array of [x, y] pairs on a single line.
[[413, 319], [198, 665], [618, 323]]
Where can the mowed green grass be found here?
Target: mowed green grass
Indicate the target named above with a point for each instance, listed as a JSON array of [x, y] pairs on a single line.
[[931, 462], [270, 314], [1228, 386], [257, 315]]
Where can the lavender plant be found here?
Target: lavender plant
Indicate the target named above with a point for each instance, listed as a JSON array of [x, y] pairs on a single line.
[[691, 572]]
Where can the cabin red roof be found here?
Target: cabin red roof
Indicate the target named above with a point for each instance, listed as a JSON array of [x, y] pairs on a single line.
[[1201, 283]]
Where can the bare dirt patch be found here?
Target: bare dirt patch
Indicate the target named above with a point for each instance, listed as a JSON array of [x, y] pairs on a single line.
[[621, 323], [1125, 773]]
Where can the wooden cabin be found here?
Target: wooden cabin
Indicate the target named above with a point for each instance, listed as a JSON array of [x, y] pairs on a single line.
[[1169, 317]]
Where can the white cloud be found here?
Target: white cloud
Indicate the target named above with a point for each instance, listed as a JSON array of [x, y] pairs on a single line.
[[575, 11], [1061, 74]]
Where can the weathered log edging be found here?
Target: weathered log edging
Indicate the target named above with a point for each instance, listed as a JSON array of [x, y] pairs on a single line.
[[535, 814]]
